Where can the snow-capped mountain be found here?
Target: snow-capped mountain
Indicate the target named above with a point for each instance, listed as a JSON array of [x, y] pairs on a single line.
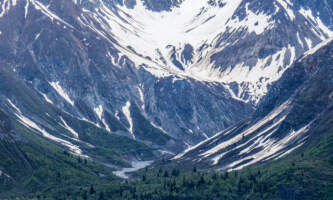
[[290, 116], [200, 39], [167, 73]]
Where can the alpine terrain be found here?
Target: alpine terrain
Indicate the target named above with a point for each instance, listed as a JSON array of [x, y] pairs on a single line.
[[92, 90]]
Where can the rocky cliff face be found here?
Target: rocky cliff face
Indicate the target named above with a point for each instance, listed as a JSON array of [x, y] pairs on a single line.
[[201, 42], [165, 73], [74, 66], [285, 120]]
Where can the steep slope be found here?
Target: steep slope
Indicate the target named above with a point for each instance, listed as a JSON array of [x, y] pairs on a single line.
[[287, 118], [199, 39], [79, 137], [61, 50], [160, 72], [31, 164]]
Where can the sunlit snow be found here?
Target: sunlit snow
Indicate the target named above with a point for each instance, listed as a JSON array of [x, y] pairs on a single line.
[[47, 98], [76, 135], [99, 111], [45, 10], [61, 92], [32, 125], [127, 112]]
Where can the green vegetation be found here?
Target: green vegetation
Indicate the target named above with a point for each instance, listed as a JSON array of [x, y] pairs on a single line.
[[307, 174], [32, 166], [109, 148], [39, 169]]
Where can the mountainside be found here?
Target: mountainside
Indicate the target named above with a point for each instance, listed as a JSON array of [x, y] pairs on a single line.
[[156, 75], [306, 175], [30, 164], [25, 107], [199, 39], [85, 74], [294, 112], [95, 89]]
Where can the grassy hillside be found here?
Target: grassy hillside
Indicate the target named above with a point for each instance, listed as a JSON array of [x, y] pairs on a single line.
[[306, 174], [31, 164]]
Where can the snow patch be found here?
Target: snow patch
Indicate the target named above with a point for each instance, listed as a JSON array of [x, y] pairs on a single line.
[[5, 7], [150, 33], [257, 77], [90, 122], [257, 23], [45, 10], [33, 126], [127, 113], [26, 9], [14, 2], [99, 111], [286, 6], [47, 99], [308, 42], [272, 148], [61, 92], [4, 174], [299, 40], [190, 148], [158, 127], [316, 48], [37, 36], [321, 30], [142, 98], [248, 131], [76, 135], [136, 165], [258, 141]]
